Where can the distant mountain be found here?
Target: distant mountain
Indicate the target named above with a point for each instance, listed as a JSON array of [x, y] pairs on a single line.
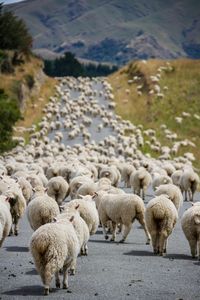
[[114, 30]]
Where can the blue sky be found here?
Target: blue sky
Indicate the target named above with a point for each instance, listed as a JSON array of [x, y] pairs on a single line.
[[10, 1]]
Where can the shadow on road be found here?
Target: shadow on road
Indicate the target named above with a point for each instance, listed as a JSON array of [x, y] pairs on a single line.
[[139, 253], [178, 256], [16, 249], [32, 272], [32, 290]]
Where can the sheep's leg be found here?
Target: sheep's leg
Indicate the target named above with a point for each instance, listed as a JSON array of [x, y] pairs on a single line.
[[126, 231], [154, 238], [162, 242], [193, 247], [104, 221], [141, 220], [84, 250], [143, 194], [57, 279], [65, 277], [73, 267], [165, 247], [198, 245], [47, 277], [114, 225], [16, 226], [185, 195]]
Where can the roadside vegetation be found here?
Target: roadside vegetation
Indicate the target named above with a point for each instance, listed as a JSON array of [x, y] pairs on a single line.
[[179, 92]]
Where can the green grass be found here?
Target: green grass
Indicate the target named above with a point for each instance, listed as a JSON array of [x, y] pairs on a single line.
[[183, 92]]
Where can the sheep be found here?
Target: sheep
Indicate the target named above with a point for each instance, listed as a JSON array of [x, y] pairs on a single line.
[[54, 246], [17, 206], [80, 227], [5, 218], [140, 180], [26, 188], [123, 209], [188, 183], [76, 182], [176, 177], [173, 193], [160, 179], [190, 223], [161, 216], [57, 188], [87, 210], [41, 210], [112, 173], [127, 170]]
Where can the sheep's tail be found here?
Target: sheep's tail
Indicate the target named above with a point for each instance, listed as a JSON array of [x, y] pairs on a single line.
[[158, 213]]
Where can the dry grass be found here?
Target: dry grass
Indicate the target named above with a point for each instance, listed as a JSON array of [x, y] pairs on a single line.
[[36, 101], [183, 82]]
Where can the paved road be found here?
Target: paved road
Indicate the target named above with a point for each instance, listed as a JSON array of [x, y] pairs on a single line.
[[111, 271]]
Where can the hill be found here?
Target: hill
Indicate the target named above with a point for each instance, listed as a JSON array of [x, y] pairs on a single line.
[[113, 30], [28, 86], [157, 92]]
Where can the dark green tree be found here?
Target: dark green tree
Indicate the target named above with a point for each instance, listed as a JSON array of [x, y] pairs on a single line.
[[14, 34]]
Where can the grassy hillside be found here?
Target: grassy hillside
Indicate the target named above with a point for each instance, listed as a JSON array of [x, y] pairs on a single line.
[[30, 88], [179, 94], [114, 30]]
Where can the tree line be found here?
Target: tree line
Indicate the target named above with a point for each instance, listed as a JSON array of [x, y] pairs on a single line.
[[68, 65]]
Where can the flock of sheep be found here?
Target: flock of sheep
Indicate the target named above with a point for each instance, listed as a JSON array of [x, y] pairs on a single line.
[[68, 189]]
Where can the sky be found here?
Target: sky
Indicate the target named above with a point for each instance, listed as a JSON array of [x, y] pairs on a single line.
[[10, 1]]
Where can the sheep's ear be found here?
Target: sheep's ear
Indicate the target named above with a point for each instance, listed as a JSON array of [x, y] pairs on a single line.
[[71, 219], [34, 190], [54, 220], [46, 189], [77, 206]]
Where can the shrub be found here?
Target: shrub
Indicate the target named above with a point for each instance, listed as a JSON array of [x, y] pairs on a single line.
[[9, 114]]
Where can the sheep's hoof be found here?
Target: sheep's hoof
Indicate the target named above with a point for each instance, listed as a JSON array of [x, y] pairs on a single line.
[[72, 272], [46, 291], [148, 242], [106, 237], [121, 241], [58, 285], [65, 287], [16, 233]]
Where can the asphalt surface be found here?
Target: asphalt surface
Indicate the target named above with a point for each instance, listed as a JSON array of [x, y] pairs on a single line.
[[111, 270]]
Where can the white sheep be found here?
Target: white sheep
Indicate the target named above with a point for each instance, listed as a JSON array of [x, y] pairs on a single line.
[[160, 179], [54, 246], [161, 216], [57, 188], [80, 227], [5, 218], [191, 227], [87, 210], [173, 192], [17, 206], [139, 181], [176, 177], [188, 183], [41, 210], [123, 209]]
